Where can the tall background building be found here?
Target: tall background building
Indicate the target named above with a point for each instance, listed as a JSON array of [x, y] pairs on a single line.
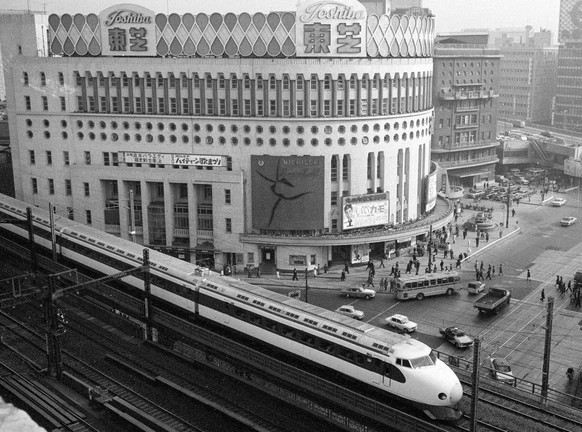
[[465, 94], [527, 84], [567, 112]]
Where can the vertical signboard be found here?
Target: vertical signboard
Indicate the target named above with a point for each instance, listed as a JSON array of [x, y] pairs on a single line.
[[431, 191], [287, 192], [128, 30], [331, 29]]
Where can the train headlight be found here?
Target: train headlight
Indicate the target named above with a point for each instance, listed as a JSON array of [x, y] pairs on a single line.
[[442, 396]]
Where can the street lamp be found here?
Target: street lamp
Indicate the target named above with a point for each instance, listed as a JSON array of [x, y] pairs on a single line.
[[429, 250]]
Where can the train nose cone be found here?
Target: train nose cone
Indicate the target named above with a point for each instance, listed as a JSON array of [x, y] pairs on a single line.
[[456, 393]]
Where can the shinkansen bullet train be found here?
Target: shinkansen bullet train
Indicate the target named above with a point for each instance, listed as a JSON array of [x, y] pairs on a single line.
[[395, 365]]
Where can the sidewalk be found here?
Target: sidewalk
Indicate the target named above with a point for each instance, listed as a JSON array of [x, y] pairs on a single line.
[[359, 274]]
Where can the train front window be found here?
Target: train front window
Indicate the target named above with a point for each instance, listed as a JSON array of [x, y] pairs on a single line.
[[421, 362]]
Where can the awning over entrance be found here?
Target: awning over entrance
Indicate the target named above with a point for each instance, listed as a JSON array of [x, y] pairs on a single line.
[[469, 174]]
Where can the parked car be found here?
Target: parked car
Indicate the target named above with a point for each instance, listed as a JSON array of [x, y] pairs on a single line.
[[401, 323], [559, 202], [475, 287], [568, 220], [522, 180], [547, 134], [358, 292], [476, 195], [501, 370], [350, 311], [456, 336]]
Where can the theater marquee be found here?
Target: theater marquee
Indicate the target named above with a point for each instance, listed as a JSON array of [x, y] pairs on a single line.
[[171, 159]]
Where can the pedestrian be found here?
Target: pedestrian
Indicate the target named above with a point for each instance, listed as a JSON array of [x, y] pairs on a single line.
[[381, 263], [458, 265], [343, 276], [295, 278], [500, 270], [442, 265], [489, 273], [557, 281], [234, 269], [481, 275], [371, 280], [493, 271], [278, 275], [434, 270], [325, 268], [528, 275], [381, 283], [512, 212], [451, 254], [500, 233], [445, 252], [464, 234], [487, 237], [346, 268], [482, 266], [249, 272], [477, 242], [543, 295], [392, 271], [258, 272]]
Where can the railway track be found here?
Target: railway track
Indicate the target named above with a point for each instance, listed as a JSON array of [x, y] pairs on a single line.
[[121, 395]]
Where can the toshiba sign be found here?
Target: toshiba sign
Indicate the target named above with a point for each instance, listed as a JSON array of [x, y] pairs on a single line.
[[331, 29], [128, 30]]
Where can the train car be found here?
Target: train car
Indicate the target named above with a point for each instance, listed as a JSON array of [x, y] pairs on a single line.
[[393, 365]]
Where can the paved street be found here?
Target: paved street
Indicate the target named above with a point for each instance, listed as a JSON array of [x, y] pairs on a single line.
[[535, 241]]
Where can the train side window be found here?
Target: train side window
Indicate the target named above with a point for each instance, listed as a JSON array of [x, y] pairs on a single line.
[[271, 325], [360, 359], [326, 346], [433, 281], [347, 354], [307, 339], [425, 283], [241, 314]]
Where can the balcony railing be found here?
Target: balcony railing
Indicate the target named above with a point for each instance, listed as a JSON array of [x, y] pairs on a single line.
[[182, 232], [205, 233], [465, 146], [112, 229], [462, 95]]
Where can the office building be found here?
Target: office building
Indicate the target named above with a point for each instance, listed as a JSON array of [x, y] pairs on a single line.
[[465, 94], [282, 139]]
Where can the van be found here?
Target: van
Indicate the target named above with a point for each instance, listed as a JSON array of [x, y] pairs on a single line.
[[475, 287], [476, 195]]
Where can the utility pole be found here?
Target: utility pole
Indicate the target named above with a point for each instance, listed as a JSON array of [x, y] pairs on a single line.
[[132, 215], [544, 187], [306, 286], [475, 383], [53, 235], [31, 239], [148, 295], [508, 204], [547, 348], [429, 249]]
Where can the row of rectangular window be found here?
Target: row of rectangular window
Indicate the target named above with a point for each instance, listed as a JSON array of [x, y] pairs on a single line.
[[233, 107], [233, 82]]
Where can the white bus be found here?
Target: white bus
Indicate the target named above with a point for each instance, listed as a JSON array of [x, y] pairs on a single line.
[[429, 284]]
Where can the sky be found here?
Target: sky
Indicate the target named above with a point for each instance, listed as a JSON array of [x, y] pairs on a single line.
[[451, 15]]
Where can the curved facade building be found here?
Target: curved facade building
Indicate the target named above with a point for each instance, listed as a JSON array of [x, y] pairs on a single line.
[[288, 139]]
